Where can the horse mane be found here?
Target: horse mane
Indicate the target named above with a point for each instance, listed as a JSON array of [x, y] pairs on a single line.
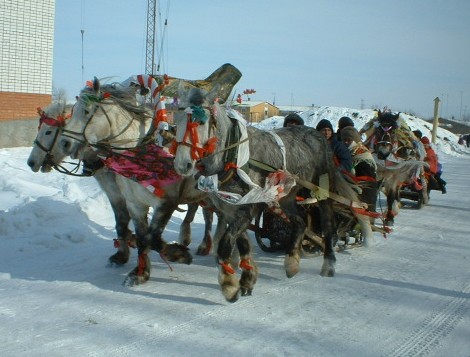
[[196, 96], [388, 119], [122, 96], [56, 109]]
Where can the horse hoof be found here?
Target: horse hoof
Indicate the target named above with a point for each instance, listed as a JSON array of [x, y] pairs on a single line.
[[175, 252], [327, 273], [292, 265], [229, 285], [133, 280], [128, 282], [245, 292], [137, 277], [248, 280], [203, 250], [328, 269], [119, 258]]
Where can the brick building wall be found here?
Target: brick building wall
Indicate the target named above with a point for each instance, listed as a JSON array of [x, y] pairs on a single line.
[[21, 105], [26, 57]]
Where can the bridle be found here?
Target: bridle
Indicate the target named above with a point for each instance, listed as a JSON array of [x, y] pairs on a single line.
[[58, 122], [99, 105], [196, 116], [386, 140]]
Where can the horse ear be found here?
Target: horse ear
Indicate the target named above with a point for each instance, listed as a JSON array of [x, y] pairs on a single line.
[[96, 84]]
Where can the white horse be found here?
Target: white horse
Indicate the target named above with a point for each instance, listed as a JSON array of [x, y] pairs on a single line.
[[46, 155], [109, 120]]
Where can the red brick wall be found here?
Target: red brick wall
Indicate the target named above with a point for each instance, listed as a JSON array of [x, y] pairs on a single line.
[[21, 105]]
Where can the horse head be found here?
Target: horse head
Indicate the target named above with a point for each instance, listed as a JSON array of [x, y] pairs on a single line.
[[197, 136], [72, 138], [393, 137], [46, 152], [387, 119], [386, 140], [105, 114]]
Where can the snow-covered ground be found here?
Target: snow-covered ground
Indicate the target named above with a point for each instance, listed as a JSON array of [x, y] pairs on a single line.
[[407, 295]]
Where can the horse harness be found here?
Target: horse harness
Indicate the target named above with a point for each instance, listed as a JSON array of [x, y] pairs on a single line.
[[231, 154], [99, 101], [58, 122]]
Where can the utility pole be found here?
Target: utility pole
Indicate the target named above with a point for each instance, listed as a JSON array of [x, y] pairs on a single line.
[[435, 123], [150, 43], [461, 96]]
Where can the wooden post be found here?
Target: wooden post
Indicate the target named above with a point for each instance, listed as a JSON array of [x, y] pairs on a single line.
[[435, 122]]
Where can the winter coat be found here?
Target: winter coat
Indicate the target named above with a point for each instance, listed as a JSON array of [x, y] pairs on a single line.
[[341, 153], [431, 159]]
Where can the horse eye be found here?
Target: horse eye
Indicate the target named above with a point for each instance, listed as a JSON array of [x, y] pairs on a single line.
[[49, 132]]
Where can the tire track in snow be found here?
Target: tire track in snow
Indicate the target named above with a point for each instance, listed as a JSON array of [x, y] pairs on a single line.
[[434, 328], [218, 313]]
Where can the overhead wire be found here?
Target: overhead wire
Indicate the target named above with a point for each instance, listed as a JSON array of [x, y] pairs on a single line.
[[82, 31], [163, 31]]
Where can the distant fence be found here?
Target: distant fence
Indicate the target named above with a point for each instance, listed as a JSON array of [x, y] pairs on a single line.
[[17, 133]]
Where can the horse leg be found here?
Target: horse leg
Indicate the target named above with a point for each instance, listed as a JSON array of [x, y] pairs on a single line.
[[392, 205], [366, 229], [173, 252], [206, 244], [293, 244], [247, 264], [185, 229], [329, 231], [141, 273], [238, 224], [125, 237], [424, 183]]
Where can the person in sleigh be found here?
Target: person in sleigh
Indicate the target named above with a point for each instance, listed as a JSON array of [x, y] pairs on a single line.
[[434, 172]]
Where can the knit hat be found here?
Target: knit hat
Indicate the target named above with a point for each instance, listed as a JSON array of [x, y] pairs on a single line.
[[418, 133], [324, 123], [344, 122], [350, 133], [294, 119], [425, 140]]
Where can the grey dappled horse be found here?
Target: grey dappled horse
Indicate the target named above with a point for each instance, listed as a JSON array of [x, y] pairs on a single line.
[[109, 119], [208, 143]]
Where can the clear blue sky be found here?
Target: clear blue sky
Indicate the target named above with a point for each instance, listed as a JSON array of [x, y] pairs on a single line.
[[346, 53]]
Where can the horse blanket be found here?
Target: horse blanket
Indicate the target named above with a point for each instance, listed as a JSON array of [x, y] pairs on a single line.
[[150, 165]]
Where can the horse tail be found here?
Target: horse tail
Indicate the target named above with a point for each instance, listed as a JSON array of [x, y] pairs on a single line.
[[402, 172], [344, 187]]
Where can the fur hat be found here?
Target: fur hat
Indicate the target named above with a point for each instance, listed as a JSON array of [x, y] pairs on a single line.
[[324, 123], [293, 118], [350, 133], [344, 122]]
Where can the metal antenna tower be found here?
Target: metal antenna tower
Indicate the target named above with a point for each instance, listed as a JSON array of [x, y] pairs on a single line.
[[150, 44]]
